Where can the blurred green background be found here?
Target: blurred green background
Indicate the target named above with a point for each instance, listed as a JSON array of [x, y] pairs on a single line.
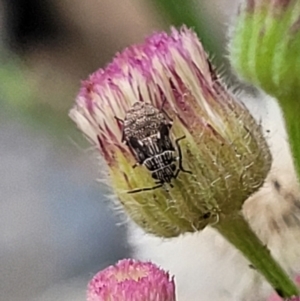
[[56, 227]]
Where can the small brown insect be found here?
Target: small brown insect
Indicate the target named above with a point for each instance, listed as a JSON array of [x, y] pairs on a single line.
[[146, 131]]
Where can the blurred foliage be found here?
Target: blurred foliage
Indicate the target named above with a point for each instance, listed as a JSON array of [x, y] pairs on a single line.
[[21, 97], [14, 86]]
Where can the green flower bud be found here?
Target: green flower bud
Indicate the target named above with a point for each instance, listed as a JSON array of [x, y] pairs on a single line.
[[211, 154], [265, 51], [265, 45]]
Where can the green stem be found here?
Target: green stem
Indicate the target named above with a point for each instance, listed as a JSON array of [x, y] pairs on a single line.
[[291, 112], [237, 231]]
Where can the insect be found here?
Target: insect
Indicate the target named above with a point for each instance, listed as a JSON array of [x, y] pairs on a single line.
[[146, 131], [163, 167]]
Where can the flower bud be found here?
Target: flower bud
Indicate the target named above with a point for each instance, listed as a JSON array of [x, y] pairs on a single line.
[[131, 280], [264, 50], [265, 45], [198, 153]]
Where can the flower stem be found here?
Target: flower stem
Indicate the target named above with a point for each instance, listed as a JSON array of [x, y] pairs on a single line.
[[291, 112], [237, 231]]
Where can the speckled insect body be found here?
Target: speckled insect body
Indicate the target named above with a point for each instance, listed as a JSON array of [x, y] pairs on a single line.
[[162, 166], [146, 131]]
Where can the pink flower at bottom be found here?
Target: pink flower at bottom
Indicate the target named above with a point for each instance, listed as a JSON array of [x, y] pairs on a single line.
[[131, 280]]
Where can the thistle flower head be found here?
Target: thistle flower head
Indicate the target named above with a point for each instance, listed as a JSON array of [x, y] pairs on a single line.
[[131, 280], [201, 154]]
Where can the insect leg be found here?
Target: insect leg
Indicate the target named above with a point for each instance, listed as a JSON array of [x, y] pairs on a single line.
[[180, 156], [145, 189], [163, 103], [170, 119], [163, 111], [176, 173], [119, 119]]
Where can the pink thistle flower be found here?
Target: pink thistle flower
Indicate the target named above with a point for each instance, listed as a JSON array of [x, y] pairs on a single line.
[[131, 280], [222, 157]]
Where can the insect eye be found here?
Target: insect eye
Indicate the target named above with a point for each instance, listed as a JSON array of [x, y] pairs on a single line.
[[173, 167]]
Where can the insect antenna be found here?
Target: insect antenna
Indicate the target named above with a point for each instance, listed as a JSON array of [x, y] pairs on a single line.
[[163, 111], [144, 189], [119, 119]]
